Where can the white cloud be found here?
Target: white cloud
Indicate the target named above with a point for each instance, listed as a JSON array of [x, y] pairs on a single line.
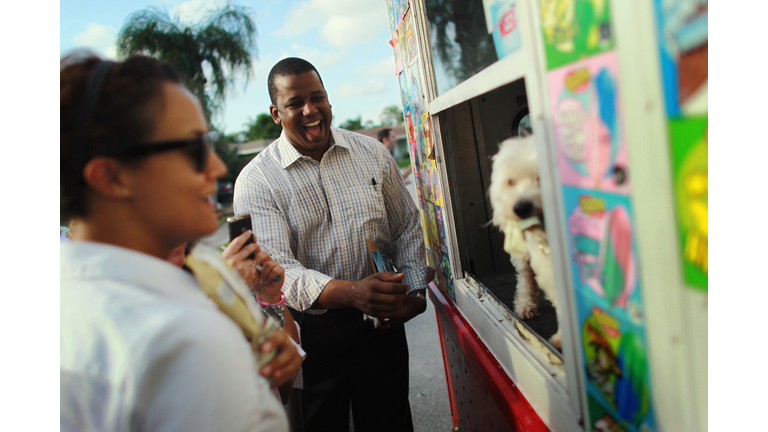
[[340, 22], [192, 11], [385, 67], [111, 52], [322, 60], [100, 38], [355, 89], [374, 114]]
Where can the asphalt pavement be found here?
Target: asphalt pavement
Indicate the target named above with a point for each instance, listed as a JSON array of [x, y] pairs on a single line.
[[428, 393]]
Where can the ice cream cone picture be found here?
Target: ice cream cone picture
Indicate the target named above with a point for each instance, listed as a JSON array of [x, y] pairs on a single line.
[[599, 153]]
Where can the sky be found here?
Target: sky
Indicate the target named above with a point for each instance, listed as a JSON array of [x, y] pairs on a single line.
[[346, 40]]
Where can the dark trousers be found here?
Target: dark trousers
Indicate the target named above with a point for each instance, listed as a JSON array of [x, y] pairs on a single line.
[[351, 363]]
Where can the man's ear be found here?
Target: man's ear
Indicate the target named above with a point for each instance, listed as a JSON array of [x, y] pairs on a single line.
[[275, 114], [106, 177]]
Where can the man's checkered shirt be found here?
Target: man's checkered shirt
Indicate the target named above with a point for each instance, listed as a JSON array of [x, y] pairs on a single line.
[[314, 217]]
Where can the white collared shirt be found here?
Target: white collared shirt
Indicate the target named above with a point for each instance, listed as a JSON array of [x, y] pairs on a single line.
[[314, 217], [142, 349]]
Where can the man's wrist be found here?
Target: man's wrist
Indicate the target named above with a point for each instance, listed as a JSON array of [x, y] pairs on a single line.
[[336, 294], [418, 294]]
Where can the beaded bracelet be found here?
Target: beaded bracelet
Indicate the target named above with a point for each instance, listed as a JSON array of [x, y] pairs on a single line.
[[279, 303], [273, 310]]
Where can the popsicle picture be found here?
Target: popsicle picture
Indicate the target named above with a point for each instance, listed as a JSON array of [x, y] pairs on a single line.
[[618, 275]]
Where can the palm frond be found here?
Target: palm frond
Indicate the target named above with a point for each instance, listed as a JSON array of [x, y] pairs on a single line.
[[208, 55], [144, 32]]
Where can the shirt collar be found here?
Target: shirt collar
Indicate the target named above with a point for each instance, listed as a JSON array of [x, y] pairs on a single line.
[[289, 154], [90, 260]]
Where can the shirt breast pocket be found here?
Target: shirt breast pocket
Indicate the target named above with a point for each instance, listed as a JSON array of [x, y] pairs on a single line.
[[366, 206]]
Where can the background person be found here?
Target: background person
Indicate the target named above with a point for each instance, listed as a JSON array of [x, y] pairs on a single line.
[[387, 137], [315, 195], [142, 348]]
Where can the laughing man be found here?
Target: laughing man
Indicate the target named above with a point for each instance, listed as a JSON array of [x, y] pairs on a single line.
[[315, 195]]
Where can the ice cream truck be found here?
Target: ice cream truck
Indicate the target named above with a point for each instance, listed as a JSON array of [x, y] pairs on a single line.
[[614, 96]]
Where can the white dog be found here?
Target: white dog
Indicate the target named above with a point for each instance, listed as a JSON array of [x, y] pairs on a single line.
[[516, 200]]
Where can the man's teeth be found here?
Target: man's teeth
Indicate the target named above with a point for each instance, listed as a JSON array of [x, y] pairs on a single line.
[[315, 123]]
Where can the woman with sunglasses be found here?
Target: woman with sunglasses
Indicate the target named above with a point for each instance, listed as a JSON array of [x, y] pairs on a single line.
[[142, 348]]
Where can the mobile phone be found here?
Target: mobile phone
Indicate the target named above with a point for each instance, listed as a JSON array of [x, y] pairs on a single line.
[[239, 225]]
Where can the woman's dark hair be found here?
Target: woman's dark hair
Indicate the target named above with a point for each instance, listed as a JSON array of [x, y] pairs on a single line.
[[126, 104]]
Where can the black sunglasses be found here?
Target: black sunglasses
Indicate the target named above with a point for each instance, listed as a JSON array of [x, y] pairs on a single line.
[[197, 148]]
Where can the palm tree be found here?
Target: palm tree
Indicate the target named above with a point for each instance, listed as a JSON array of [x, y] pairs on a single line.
[[459, 36], [208, 54]]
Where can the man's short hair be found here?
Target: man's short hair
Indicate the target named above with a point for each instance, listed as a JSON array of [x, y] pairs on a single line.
[[288, 67], [384, 133]]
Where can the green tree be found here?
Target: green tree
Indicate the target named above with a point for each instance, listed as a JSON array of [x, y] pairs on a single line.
[[263, 127], [208, 54], [352, 124], [230, 158], [391, 116], [236, 138]]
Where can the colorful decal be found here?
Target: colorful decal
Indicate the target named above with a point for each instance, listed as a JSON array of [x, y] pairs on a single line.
[[444, 270], [426, 176], [436, 185], [403, 44], [429, 143], [403, 89], [587, 117], [683, 34], [433, 253], [395, 44], [601, 245], [689, 146], [405, 5], [396, 10], [394, 18], [609, 308], [574, 29], [502, 21], [410, 38]]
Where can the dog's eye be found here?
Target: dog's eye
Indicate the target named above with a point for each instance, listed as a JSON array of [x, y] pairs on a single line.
[[511, 182]]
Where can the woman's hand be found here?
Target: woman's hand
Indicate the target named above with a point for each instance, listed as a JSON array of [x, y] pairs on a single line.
[[285, 366], [236, 255], [266, 286], [263, 282]]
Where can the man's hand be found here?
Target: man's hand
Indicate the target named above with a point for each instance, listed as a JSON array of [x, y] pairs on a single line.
[[408, 309], [284, 367], [379, 295], [411, 307], [430, 276]]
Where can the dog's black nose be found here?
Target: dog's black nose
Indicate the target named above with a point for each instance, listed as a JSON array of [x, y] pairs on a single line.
[[523, 209]]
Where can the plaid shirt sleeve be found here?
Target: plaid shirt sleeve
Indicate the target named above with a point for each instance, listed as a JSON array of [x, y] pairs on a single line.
[[253, 195]]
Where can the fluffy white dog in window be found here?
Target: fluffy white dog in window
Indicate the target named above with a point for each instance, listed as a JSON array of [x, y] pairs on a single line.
[[515, 195]]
